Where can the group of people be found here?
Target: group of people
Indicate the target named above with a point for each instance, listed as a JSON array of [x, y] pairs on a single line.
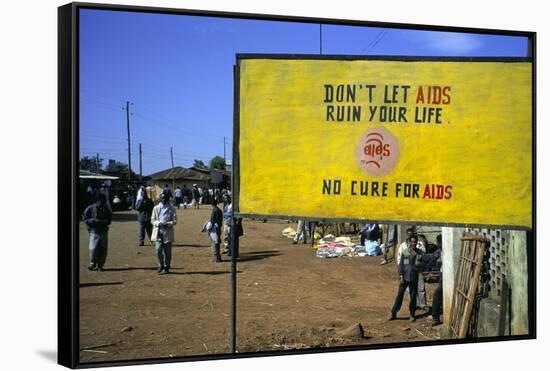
[[196, 196], [157, 223]]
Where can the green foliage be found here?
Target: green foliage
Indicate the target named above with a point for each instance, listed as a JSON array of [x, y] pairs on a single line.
[[199, 163], [90, 164], [217, 162], [119, 169]]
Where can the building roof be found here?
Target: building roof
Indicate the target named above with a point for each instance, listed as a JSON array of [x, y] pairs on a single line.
[[208, 171], [179, 173], [84, 174], [202, 170]]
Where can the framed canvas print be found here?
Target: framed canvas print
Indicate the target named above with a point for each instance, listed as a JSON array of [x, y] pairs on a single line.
[[237, 185]]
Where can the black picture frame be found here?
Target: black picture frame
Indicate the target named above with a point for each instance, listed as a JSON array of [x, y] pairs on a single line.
[[68, 154]]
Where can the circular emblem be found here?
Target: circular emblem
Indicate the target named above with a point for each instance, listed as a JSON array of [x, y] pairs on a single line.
[[377, 152]]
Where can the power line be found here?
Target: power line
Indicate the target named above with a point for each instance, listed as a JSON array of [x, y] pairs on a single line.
[[129, 148], [163, 121]]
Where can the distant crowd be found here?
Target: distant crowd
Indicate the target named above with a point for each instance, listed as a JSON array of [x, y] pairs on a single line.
[[157, 222]]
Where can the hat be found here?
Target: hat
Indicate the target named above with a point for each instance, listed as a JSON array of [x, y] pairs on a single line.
[[194, 185]]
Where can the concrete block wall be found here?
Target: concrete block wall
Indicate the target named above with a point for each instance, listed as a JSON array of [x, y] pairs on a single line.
[[499, 249]]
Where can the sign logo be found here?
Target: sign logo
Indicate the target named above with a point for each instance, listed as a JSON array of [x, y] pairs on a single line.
[[377, 152]]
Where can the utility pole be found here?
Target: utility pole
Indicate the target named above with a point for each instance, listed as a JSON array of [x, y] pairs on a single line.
[[97, 162], [128, 128], [140, 167], [173, 172], [224, 160]]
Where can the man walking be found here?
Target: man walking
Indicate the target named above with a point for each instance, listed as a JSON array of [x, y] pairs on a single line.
[[97, 217], [163, 219], [144, 206], [408, 278]]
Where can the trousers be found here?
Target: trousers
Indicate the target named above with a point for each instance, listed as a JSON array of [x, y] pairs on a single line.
[[97, 248], [412, 286], [302, 231], [215, 251], [143, 228], [164, 253], [421, 291]]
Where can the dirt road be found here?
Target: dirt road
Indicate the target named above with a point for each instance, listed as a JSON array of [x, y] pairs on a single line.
[[287, 297]]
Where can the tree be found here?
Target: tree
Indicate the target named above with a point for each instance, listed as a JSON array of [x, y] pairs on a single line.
[[217, 162], [119, 169], [199, 163], [90, 164]]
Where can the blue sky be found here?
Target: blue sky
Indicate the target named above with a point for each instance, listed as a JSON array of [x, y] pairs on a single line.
[[178, 73]]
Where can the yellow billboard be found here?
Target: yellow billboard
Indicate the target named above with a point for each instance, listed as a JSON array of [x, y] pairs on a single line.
[[434, 141]]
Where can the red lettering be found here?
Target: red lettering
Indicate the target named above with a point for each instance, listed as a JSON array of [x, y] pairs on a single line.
[[386, 150], [446, 96], [436, 95], [427, 192], [448, 193], [439, 194], [420, 95], [367, 150], [437, 191]]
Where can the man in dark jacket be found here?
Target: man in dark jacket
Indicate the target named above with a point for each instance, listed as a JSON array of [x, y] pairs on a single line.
[[408, 278], [216, 220], [144, 207], [97, 217]]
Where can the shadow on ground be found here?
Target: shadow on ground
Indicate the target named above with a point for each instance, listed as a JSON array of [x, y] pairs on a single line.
[[92, 284]]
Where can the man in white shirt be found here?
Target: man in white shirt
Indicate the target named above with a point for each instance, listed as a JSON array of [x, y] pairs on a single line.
[[163, 219]]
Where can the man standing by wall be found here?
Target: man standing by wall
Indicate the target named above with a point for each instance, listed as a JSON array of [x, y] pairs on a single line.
[[163, 219], [97, 217], [408, 278]]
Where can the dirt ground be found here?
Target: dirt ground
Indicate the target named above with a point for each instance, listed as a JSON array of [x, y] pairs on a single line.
[[287, 298]]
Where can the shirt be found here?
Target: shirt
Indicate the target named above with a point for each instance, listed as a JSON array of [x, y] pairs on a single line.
[[404, 251], [164, 215]]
